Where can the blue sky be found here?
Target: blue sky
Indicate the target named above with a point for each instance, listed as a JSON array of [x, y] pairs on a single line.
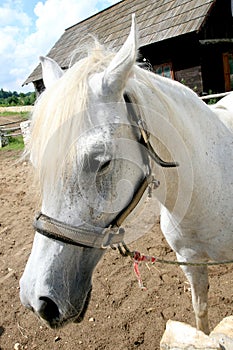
[[29, 28]]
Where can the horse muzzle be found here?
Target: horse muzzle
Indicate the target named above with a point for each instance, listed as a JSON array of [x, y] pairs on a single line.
[[48, 311]]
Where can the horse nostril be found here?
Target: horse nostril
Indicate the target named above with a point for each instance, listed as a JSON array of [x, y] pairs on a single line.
[[48, 310]]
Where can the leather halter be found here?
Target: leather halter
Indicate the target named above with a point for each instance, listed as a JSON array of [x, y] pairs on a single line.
[[97, 237]]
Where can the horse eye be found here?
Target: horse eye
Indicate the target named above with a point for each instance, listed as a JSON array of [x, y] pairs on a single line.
[[104, 167]]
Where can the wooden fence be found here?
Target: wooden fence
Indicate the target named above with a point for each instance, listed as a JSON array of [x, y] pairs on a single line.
[[14, 129], [215, 96]]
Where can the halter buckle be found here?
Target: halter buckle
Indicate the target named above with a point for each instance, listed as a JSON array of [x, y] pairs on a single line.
[[112, 236]]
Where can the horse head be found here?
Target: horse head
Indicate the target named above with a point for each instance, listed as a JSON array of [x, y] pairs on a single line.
[[89, 160]]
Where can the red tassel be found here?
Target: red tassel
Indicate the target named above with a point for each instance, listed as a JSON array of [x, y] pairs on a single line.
[[137, 259]]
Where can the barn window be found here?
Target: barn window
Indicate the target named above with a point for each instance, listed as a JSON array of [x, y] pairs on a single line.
[[228, 70], [165, 70]]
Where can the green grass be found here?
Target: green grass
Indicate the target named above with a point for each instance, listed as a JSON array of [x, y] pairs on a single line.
[[15, 144], [21, 115]]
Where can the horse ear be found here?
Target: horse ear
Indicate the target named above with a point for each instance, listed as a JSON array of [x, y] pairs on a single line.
[[51, 71], [118, 71]]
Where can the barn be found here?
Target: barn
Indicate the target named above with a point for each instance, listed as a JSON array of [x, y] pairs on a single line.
[[187, 40]]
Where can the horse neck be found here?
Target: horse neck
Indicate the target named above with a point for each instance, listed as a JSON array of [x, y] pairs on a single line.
[[171, 109], [177, 121]]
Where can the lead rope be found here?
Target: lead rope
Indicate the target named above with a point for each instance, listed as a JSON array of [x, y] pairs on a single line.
[[137, 258]]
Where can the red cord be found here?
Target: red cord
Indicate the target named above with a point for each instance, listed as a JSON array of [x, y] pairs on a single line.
[[138, 257]]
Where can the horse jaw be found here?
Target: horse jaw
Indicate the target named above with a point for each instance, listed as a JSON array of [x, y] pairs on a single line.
[[118, 71], [51, 71]]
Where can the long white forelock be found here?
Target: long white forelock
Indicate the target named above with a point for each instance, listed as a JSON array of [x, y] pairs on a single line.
[[57, 105]]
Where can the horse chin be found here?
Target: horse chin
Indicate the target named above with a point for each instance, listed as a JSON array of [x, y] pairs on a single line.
[[77, 318], [85, 307]]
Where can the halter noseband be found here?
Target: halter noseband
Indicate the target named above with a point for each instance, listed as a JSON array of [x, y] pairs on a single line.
[[96, 237]]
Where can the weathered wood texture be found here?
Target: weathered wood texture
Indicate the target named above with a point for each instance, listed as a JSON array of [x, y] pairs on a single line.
[[192, 77]]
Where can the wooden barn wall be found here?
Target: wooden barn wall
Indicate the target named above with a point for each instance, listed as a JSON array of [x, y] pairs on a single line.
[[218, 26], [192, 77], [198, 65], [39, 87], [184, 54], [212, 67]]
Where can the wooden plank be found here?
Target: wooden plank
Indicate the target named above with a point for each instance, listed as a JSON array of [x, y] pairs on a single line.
[[207, 97], [14, 128], [226, 69], [14, 135], [9, 123]]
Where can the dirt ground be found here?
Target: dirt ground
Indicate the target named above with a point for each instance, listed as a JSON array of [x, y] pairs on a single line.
[[120, 315]]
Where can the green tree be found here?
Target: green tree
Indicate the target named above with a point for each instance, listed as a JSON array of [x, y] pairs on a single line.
[[8, 98]]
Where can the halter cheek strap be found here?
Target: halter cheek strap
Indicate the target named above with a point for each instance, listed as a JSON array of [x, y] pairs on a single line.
[[145, 136]]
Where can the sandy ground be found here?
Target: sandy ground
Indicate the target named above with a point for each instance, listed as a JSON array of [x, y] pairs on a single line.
[[120, 315]]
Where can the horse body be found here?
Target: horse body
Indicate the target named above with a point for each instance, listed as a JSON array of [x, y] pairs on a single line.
[[204, 230], [196, 197], [208, 142]]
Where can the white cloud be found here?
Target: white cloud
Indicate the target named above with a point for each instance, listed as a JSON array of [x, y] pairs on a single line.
[[14, 24], [7, 38], [11, 13], [22, 41]]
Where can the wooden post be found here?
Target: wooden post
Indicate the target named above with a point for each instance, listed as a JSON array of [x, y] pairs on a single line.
[[226, 68]]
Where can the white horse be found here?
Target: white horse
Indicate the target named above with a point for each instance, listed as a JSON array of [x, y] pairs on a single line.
[[88, 151]]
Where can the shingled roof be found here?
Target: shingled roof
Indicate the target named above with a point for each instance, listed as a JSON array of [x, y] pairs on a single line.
[[157, 20]]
